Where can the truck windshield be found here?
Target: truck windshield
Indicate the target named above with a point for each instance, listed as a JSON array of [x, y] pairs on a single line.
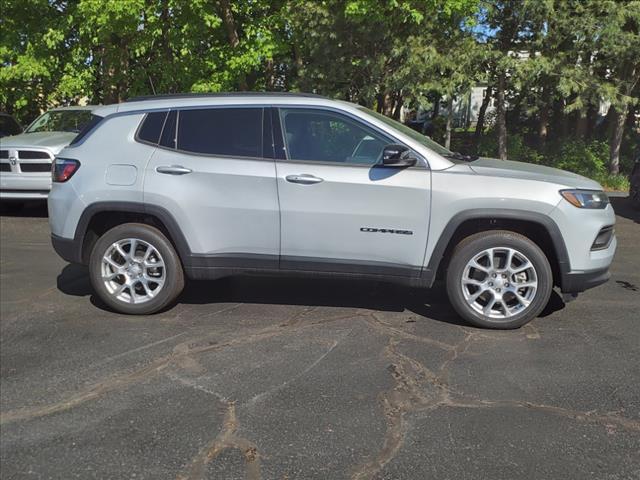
[[60, 121], [410, 132]]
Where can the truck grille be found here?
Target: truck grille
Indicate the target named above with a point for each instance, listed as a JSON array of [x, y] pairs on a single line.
[[35, 167], [26, 161], [32, 154]]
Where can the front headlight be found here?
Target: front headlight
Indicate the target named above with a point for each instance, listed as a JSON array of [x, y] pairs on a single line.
[[586, 198]]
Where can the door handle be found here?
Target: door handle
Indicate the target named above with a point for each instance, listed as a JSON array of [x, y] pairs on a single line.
[[304, 179], [173, 170]]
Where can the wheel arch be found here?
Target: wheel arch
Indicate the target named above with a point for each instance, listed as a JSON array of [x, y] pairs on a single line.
[[99, 217], [539, 228]]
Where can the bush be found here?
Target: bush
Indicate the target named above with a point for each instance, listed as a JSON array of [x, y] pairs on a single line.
[[588, 159], [517, 149], [613, 182]]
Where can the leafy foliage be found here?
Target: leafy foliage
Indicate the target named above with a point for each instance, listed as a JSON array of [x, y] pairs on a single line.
[[386, 54]]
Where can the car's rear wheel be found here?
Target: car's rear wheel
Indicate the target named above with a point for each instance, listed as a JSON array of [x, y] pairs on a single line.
[[134, 269], [499, 279]]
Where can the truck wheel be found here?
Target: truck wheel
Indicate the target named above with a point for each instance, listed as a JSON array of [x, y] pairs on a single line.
[[499, 279], [135, 270]]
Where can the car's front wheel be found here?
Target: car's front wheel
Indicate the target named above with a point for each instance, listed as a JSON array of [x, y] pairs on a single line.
[[499, 279], [134, 269]]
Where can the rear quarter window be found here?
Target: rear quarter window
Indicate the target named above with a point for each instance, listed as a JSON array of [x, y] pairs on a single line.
[[233, 132]]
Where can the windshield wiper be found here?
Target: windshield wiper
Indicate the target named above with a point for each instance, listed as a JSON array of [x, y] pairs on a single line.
[[460, 156]]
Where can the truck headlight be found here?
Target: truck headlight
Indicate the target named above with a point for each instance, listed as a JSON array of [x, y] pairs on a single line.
[[586, 198]]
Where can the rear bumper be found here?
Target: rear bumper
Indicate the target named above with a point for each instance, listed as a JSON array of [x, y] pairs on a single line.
[[576, 282], [67, 248]]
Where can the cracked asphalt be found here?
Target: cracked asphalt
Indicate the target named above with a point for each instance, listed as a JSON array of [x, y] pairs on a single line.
[[262, 378]]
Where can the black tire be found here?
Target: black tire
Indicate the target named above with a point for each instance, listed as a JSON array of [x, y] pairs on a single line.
[[174, 276], [473, 245]]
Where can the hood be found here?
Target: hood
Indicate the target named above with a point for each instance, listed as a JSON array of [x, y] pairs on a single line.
[[54, 141], [530, 171]]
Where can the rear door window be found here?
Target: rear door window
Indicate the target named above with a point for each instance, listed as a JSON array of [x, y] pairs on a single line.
[[151, 127], [235, 132], [168, 137]]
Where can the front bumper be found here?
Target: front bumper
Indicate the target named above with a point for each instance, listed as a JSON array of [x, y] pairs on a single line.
[[576, 282], [24, 186], [24, 194]]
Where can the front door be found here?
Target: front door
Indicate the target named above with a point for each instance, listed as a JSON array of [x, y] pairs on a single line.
[[341, 212]]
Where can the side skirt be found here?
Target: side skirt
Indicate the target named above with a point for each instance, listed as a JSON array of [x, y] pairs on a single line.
[[211, 267]]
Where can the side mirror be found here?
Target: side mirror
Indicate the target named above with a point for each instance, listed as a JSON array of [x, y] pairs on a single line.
[[398, 156]]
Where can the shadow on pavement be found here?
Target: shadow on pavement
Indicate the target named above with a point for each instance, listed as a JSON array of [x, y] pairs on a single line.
[[623, 208], [365, 294]]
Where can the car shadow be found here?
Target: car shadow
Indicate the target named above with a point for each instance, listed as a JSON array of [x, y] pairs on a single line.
[[623, 208], [324, 292], [30, 209]]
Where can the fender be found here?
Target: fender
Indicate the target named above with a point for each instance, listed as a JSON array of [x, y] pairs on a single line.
[[160, 213], [430, 271]]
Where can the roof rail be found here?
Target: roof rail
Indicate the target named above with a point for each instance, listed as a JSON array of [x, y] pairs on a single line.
[[164, 96]]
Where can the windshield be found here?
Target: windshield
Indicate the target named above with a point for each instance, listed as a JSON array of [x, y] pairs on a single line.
[[409, 132], [60, 121]]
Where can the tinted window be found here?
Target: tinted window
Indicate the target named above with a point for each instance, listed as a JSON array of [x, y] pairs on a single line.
[[324, 136], [221, 131], [151, 127], [95, 119], [168, 138]]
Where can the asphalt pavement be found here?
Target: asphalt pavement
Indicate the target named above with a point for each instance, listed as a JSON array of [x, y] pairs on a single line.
[[263, 378]]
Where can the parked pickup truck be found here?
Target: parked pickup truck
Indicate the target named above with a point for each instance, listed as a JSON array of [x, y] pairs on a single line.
[[25, 159]]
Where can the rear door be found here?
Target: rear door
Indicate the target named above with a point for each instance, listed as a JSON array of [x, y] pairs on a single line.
[[341, 211], [211, 175]]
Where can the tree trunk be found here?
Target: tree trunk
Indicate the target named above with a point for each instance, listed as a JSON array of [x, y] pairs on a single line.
[[232, 34], [619, 118], [270, 73], [501, 117], [380, 103], [543, 126], [481, 114], [387, 104], [447, 135], [397, 109], [581, 125], [436, 107]]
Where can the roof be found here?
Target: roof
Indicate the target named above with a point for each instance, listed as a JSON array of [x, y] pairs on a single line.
[[163, 102], [222, 94]]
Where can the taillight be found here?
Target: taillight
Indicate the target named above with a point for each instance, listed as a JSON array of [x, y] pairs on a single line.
[[63, 169]]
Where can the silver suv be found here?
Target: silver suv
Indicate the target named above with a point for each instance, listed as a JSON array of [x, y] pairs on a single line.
[[209, 186], [25, 159]]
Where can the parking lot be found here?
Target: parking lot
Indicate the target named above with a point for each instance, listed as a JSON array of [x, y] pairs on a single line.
[[306, 378]]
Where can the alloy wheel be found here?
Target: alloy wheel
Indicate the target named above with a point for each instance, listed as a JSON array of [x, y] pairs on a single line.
[[133, 271], [499, 283]]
